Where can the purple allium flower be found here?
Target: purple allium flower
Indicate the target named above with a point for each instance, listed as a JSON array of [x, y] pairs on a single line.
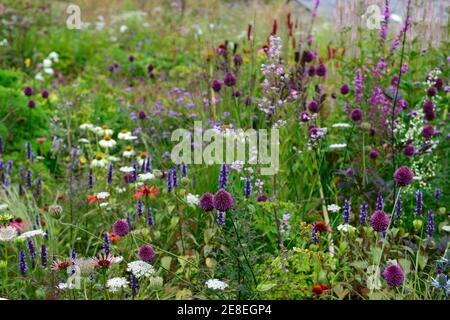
[[146, 253], [44, 255], [312, 71], [363, 213], [403, 176], [428, 132], [150, 68], [380, 201], [380, 221], [236, 94], [223, 176], [347, 210], [356, 115], [262, 198], [106, 244], [304, 117], [321, 70], [439, 83], [229, 79], [373, 154], [237, 60], [131, 58], [206, 202], [409, 150], [142, 115], [419, 203], [430, 224], [223, 200], [430, 116], [394, 275], [431, 92], [23, 268], [28, 91], [247, 100], [437, 194], [216, 85], [150, 219], [345, 89], [398, 209], [31, 104], [44, 94], [139, 208], [220, 218], [120, 227], [428, 106], [309, 56], [313, 106], [248, 188]]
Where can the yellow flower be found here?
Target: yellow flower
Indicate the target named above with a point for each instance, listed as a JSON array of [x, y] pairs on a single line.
[[82, 160], [27, 62]]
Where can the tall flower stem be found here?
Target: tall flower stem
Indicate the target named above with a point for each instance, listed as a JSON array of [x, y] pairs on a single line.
[[280, 238], [394, 104], [243, 252]]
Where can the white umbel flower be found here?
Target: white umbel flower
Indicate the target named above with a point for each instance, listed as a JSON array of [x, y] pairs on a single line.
[[3, 206], [346, 228], [115, 284], [146, 176], [126, 169], [192, 199], [31, 234], [338, 146], [341, 125], [103, 195], [216, 284], [140, 269], [333, 208], [8, 233]]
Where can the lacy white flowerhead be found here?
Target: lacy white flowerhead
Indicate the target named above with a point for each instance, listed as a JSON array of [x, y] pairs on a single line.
[[115, 284], [216, 284]]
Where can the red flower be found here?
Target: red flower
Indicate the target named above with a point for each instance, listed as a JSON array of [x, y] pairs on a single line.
[[93, 199], [322, 227], [146, 192], [113, 237], [317, 289]]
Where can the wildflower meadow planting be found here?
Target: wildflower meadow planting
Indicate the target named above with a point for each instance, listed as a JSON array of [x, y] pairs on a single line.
[[224, 150]]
